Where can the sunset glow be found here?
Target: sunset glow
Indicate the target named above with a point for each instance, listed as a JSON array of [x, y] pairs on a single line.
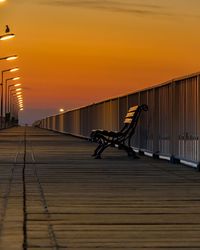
[[80, 52]]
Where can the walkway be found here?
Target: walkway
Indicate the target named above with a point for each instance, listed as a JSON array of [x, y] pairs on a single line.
[[53, 195]]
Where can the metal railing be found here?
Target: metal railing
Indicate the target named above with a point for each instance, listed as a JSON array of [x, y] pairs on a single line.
[[171, 127]]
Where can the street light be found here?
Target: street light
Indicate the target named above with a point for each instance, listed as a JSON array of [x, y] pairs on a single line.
[[1, 84], [9, 58], [15, 107], [10, 94], [18, 84], [9, 79], [14, 78], [13, 69], [7, 36]]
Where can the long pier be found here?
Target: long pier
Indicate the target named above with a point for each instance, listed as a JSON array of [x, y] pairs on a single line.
[[53, 195]]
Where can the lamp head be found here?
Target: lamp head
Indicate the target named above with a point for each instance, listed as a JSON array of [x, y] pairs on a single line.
[[6, 37]]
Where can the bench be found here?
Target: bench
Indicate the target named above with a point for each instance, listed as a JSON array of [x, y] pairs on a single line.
[[120, 139]]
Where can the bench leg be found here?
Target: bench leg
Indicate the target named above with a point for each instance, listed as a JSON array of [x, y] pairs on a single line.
[[97, 149], [103, 147], [129, 151]]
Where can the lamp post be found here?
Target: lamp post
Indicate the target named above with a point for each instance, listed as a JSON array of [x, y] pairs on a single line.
[[9, 94], [6, 83], [3, 37], [1, 84], [13, 96], [17, 106]]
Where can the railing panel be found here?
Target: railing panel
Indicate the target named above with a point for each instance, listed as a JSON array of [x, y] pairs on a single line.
[[57, 122], [114, 110], [61, 123], [108, 116], [171, 126], [143, 123], [150, 119], [165, 118], [123, 107]]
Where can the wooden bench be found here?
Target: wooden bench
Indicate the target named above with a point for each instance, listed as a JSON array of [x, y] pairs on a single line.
[[121, 139]]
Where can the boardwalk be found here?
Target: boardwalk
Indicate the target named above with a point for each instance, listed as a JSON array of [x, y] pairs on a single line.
[[53, 195]]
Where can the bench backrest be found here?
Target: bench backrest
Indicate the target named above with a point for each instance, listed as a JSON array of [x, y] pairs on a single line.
[[131, 120], [130, 114]]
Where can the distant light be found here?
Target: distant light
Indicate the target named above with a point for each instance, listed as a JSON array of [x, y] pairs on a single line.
[[18, 89], [6, 37], [9, 58], [1, 1], [61, 110], [16, 78], [21, 109], [13, 70], [18, 84]]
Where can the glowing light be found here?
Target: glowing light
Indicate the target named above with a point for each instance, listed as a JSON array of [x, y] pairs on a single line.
[[14, 69], [9, 58], [2, 1], [61, 110], [16, 78], [6, 37], [18, 89], [18, 84]]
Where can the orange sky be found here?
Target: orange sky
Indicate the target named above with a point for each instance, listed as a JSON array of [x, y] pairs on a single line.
[[75, 52]]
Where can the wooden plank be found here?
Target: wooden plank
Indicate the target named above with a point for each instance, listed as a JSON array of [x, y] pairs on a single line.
[[113, 203]]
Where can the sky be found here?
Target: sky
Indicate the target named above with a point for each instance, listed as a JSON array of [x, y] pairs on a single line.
[[77, 52]]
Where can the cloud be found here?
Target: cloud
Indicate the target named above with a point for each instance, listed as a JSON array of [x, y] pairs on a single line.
[[125, 6]]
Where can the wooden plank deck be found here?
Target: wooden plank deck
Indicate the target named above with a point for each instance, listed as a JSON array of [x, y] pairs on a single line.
[[61, 198]]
